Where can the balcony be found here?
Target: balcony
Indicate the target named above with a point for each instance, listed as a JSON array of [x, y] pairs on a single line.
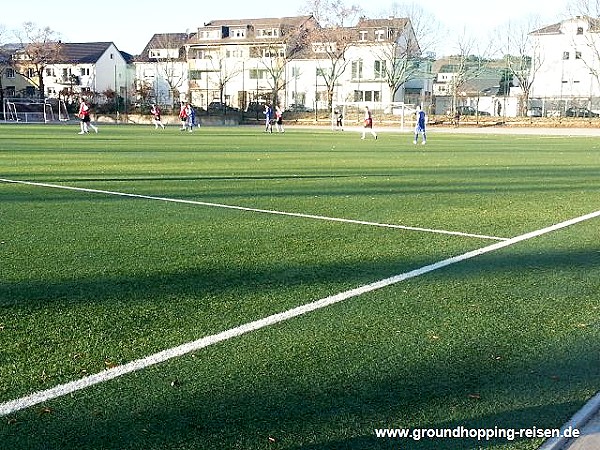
[[72, 80]]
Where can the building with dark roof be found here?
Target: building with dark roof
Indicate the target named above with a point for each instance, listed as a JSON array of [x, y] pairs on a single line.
[[93, 69]]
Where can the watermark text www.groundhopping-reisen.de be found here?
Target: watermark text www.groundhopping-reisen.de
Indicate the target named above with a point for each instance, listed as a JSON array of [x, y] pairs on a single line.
[[480, 434]]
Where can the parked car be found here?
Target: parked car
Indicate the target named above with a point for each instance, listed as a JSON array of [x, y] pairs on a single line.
[[534, 111], [255, 107], [470, 111], [580, 112], [297, 108], [220, 107]]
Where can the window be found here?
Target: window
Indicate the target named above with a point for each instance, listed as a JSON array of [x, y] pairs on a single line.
[[363, 35], [565, 56], [237, 53], [30, 73], [195, 74], [379, 35], [367, 96], [577, 55], [380, 69], [84, 71], [258, 74], [579, 30], [324, 47], [267, 32], [50, 72], [357, 70], [209, 34], [10, 72], [273, 53], [238, 33]]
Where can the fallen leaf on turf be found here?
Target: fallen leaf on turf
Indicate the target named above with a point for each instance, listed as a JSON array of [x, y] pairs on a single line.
[[109, 364]]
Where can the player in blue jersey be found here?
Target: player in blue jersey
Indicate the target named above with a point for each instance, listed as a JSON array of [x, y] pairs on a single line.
[[420, 127], [268, 112]]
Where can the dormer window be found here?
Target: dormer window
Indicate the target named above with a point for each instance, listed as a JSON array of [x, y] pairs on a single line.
[[324, 47], [238, 33], [209, 34], [579, 30], [380, 35], [163, 53], [267, 32], [363, 35]]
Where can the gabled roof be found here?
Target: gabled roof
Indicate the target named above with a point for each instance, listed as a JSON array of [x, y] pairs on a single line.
[[395, 22], [292, 21], [556, 28], [224, 27], [83, 53], [164, 41], [550, 29]]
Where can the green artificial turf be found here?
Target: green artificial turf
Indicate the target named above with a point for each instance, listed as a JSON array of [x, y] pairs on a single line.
[[93, 280]]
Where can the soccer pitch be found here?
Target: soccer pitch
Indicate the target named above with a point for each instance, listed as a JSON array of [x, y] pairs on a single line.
[[231, 289]]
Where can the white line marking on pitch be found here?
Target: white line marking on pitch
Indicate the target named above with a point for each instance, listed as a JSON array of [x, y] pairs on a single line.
[[263, 211], [109, 374]]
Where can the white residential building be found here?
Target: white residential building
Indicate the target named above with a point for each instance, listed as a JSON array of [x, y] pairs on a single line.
[[241, 62], [161, 70], [88, 68], [566, 65]]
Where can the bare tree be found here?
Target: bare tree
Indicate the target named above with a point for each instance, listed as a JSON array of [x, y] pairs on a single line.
[[333, 43], [223, 73], [41, 47], [275, 56], [467, 64], [330, 41], [587, 8], [170, 61], [589, 11], [522, 57], [332, 13], [428, 30], [5, 61], [400, 57]]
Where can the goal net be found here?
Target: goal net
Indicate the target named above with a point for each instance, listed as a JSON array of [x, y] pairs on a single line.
[[30, 111], [397, 113]]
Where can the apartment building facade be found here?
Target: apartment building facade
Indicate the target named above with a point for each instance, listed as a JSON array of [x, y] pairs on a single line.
[[291, 61]]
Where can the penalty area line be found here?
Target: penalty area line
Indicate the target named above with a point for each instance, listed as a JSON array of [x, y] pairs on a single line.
[[256, 210], [36, 398]]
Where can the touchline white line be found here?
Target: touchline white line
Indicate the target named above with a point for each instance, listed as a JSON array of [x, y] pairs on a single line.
[[263, 211], [68, 388]]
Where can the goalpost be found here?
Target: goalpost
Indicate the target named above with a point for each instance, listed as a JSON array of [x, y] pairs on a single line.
[[63, 113], [10, 111], [31, 111], [406, 113]]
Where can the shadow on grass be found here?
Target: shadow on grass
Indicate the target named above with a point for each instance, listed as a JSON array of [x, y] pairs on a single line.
[[218, 280], [282, 409], [320, 403]]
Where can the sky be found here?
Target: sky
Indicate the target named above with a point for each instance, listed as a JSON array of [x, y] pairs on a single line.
[[131, 24]]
